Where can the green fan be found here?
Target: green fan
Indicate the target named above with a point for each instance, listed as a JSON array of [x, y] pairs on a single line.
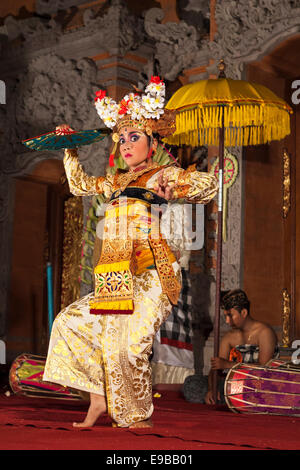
[[65, 138]]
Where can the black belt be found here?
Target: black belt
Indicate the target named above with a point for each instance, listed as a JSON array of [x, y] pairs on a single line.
[[139, 193]]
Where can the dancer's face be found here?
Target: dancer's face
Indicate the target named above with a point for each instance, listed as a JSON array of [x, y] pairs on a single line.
[[134, 147]]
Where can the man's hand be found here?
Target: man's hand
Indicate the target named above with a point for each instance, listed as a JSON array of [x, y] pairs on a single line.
[[209, 400], [220, 363], [163, 188]]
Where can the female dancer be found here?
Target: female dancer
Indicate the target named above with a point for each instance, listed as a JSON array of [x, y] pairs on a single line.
[[102, 342]]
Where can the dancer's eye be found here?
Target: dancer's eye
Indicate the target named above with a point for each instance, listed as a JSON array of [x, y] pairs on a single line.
[[134, 138], [122, 140]]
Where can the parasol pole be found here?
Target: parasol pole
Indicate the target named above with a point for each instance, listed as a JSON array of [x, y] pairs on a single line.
[[219, 244], [219, 257]]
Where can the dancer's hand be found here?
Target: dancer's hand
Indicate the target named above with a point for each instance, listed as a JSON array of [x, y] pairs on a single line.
[[163, 188], [62, 127]]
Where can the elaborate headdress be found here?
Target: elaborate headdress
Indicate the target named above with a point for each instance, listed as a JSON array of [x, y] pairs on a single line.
[[144, 111]]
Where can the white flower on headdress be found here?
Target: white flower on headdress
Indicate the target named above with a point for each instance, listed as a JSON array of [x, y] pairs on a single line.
[[151, 103], [156, 88], [147, 102], [148, 106], [135, 111], [159, 102]]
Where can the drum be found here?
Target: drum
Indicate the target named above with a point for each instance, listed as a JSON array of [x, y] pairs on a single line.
[[270, 389], [26, 378]]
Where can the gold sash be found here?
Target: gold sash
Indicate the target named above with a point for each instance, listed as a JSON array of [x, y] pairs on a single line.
[[170, 285]]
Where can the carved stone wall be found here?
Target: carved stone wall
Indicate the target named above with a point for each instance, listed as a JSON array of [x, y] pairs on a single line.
[[177, 45], [249, 30]]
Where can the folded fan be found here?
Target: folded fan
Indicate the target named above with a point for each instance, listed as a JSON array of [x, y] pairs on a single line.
[[65, 138]]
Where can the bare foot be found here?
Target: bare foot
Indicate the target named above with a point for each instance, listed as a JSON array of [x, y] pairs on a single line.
[[97, 408], [142, 424]]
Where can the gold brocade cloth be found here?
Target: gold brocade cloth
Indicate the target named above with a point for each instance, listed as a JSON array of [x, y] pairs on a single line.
[[109, 354], [130, 223]]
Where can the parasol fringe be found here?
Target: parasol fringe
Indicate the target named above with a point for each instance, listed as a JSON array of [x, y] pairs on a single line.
[[201, 124]]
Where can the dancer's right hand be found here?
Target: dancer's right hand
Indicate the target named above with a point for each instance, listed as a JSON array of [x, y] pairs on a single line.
[[62, 127]]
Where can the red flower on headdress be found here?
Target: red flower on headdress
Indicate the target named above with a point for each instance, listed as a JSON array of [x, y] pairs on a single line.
[[123, 107], [156, 80], [100, 94]]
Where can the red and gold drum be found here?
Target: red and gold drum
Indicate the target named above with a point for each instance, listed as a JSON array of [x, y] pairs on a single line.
[[270, 389], [26, 378]]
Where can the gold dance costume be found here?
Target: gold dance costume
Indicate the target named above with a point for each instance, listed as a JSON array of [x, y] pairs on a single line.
[[102, 342]]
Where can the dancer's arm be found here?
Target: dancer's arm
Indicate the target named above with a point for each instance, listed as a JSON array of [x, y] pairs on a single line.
[[191, 185], [80, 183]]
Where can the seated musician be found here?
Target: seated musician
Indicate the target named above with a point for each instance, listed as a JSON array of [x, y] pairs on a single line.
[[248, 341]]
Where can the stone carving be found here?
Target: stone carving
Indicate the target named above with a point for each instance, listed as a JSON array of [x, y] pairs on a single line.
[[194, 12], [49, 7], [124, 30], [116, 31], [27, 28], [52, 90], [248, 29], [232, 249], [33, 33], [177, 44]]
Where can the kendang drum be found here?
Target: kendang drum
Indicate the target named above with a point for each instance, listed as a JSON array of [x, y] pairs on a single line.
[[26, 378], [270, 389]]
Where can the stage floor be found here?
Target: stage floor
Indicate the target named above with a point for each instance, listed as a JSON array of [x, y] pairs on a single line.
[[33, 424]]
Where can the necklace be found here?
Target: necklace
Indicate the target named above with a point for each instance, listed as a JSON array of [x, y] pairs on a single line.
[[138, 168], [249, 337], [122, 180]]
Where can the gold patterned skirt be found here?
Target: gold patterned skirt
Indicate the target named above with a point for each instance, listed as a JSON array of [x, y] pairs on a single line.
[[109, 354]]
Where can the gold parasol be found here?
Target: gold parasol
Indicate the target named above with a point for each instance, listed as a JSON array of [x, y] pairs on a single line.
[[226, 112], [252, 113]]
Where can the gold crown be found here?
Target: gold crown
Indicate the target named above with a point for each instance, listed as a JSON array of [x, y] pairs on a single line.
[[165, 126]]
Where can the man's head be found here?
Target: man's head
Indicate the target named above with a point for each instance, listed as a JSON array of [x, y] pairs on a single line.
[[236, 307]]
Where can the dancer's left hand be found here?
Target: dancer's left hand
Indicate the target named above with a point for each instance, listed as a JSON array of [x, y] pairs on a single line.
[[163, 188]]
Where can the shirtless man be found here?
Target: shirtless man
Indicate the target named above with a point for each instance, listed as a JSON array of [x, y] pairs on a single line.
[[248, 340]]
